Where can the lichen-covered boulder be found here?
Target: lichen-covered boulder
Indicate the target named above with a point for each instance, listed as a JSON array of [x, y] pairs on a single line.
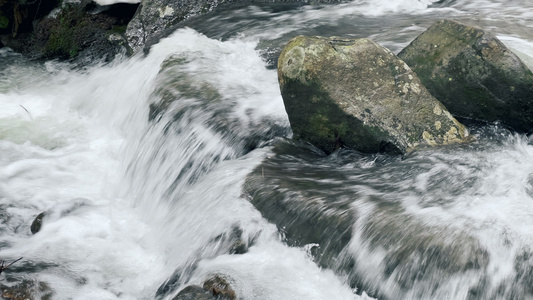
[[473, 74], [354, 93]]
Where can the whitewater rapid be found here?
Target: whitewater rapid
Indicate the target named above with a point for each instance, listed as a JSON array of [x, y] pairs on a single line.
[[120, 223]]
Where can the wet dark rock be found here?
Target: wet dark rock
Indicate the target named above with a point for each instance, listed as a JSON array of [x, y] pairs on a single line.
[[37, 223], [356, 94], [418, 253], [78, 30], [179, 277], [238, 248], [353, 221], [473, 74], [26, 290], [73, 31], [219, 287], [214, 288], [194, 292], [230, 242], [310, 213], [524, 272]]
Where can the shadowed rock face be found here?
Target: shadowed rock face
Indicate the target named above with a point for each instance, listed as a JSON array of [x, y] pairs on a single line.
[[80, 32], [473, 74], [355, 93]]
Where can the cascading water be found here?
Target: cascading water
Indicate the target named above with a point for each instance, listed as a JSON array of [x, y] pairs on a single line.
[[151, 170]]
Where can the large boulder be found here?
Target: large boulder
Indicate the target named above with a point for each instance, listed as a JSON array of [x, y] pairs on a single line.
[[473, 74], [354, 93], [79, 31]]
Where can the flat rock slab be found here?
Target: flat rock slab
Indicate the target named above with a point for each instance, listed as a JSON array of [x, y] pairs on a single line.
[[473, 74], [354, 93]]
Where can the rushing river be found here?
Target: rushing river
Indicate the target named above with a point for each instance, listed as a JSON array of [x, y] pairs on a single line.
[[139, 209]]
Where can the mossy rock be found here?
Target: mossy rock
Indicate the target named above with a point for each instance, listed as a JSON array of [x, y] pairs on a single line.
[[473, 74], [73, 30], [4, 21], [354, 93]]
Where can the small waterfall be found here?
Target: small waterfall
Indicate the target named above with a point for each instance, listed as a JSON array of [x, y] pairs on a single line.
[[158, 171]]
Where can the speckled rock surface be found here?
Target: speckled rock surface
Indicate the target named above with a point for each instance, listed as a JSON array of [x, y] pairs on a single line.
[[155, 17], [473, 74], [356, 94]]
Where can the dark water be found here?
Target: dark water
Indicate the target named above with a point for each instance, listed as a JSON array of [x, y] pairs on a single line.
[[139, 209]]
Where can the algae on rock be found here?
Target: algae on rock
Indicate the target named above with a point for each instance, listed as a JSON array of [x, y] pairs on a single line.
[[473, 74], [354, 93]]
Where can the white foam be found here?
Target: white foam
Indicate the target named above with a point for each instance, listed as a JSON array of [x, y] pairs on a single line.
[[109, 2]]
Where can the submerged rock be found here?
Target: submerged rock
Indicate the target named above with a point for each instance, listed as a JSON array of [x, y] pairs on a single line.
[[231, 242], [290, 190], [194, 292], [216, 287], [219, 287], [473, 74], [354, 93], [191, 98], [26, 290], [422, 255], [37, 223], [352, 218]]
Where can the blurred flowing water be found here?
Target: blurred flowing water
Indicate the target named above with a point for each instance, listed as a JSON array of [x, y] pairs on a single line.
[[142, 201]]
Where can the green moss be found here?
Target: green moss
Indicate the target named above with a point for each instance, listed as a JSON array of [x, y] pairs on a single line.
[[67, 33], [4, 21], [62, 43], [118, 29]]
